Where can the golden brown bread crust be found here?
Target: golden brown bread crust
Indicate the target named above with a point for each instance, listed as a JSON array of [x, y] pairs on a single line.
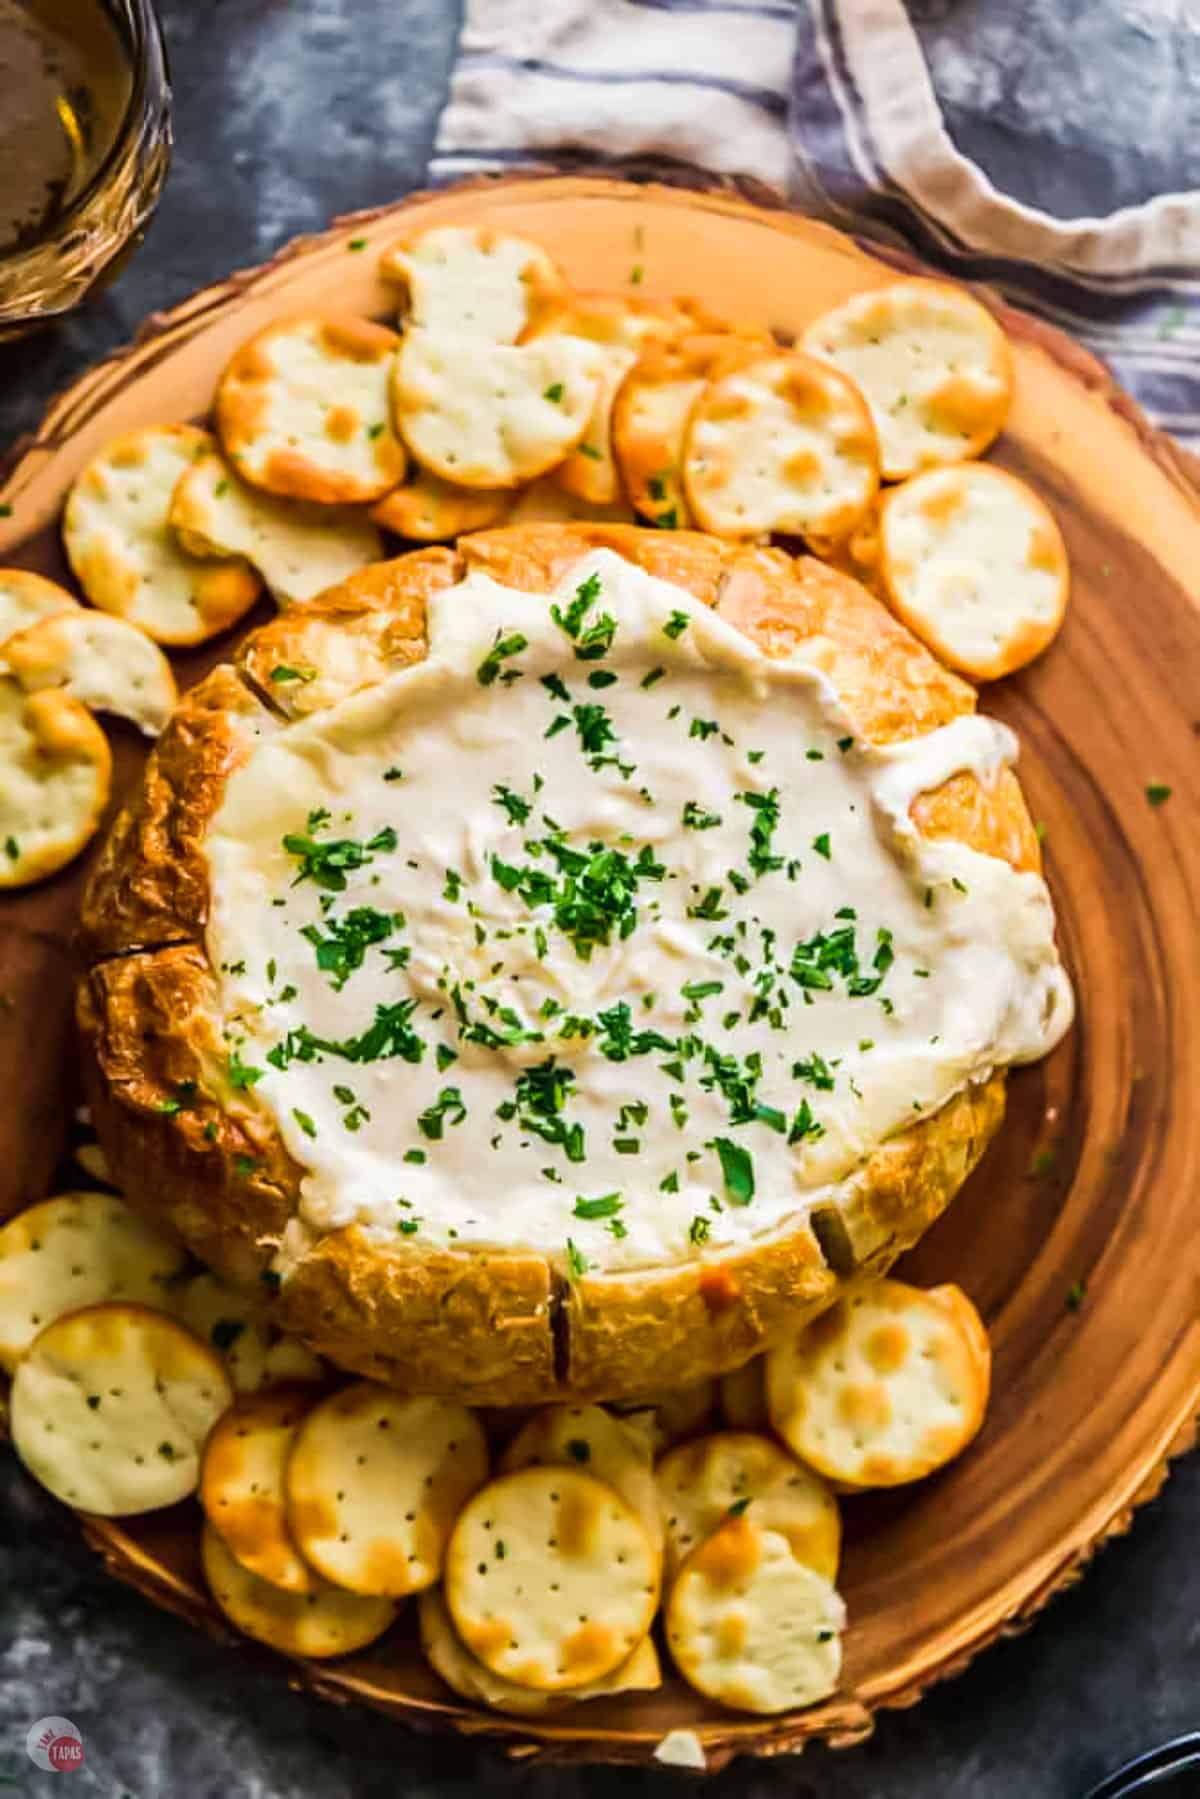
[[150, 885], [495, 1328], [188, 1148]]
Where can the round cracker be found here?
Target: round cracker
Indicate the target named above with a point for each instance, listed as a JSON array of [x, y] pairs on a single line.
[[544, 502], [649, 419], [241, 1484], [551, 1579], [375, 1483], [429, 510], [473, 282], [586, 1436], [493, 415], [256, 1352], [467, 1676], [298, 549], [302, 410], [55, 777], [110, 1407], [732, 1473], [77, 1249], [126, 558], [25, 597], [974, 564], [888, 1385], [671, 1417], [933, 365], [102, 661], [620, 326], [781, 442], [750, 1626], [322, 1622], [743, 1396]]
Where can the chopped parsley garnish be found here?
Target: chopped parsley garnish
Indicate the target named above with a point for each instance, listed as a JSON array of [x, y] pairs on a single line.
[[738, 1507], [390, 1035], [815, 962], [594, 894], [577, 1262], [579, 1449], [591, 452], [342, 946], [703, 728], [607, 1205], [1076, 1293], [513, 805], [694, 990], [765, 807], [737, 1170], [539, 1097], [281, 673], [554, 393], [618, 1039], [654, 676], [676, 625], [816, 1071], [804, 1125], [241, 1074], [326, 864], [821, 846], [304, 1121], [491, 668], [700, 1229], [592, 639], [709, 907], [1157, 793], [448, 1108], [594, 726], [12, 849], [695, 818], [601, 677]]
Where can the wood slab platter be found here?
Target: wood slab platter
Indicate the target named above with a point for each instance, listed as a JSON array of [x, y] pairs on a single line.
[[1091, 1185]]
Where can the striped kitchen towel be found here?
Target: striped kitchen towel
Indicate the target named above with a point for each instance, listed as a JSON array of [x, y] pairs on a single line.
[[995, 137]]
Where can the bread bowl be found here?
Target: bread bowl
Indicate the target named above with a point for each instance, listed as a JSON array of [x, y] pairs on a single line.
[[513, 1313]]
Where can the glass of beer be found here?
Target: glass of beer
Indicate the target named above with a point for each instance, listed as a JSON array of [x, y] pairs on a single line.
[[85, 138]]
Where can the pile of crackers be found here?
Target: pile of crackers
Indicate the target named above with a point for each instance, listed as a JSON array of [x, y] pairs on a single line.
[[548, 1553], [506, 395]]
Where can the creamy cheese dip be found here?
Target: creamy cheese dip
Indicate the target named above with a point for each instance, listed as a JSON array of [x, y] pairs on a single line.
[[597, 933]]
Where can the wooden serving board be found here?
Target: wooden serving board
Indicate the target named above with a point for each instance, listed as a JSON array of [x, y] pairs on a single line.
[[1092, 1184]]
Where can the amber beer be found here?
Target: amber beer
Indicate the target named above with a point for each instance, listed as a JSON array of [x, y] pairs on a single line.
[[84, 139]]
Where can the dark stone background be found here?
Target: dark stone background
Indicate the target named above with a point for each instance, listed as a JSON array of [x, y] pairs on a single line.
[[287, 113]]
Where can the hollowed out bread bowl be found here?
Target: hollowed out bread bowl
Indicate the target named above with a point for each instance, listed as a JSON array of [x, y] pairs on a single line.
[[197, 1146]]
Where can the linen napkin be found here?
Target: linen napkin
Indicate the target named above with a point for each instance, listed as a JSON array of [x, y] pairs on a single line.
[[1017, 142]]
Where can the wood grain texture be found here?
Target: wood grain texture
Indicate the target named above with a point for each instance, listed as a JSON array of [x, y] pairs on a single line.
[[1093, 1179]]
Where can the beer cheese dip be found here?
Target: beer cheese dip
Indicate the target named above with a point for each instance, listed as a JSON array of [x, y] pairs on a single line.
[[596, 932]]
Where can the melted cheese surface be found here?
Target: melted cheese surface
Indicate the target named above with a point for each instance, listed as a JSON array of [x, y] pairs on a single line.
[[596, 933]]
